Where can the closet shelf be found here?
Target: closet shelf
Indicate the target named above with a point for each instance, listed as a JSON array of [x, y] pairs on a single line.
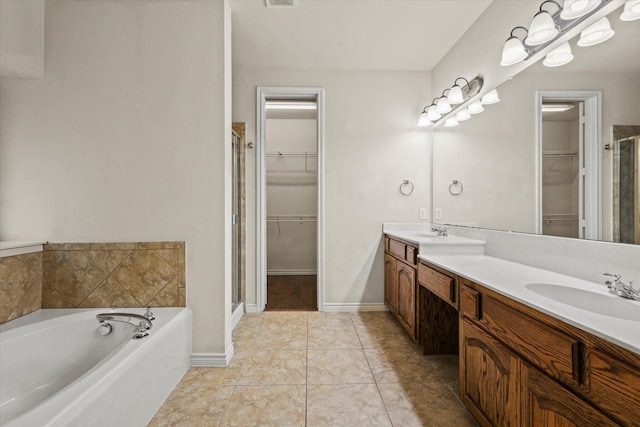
[[292, 218], [550, 218]]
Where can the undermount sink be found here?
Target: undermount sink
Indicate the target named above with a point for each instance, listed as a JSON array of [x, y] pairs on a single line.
[[426, 235], [604, 304]]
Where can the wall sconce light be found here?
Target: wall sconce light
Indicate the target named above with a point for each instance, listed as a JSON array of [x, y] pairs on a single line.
[[559, 56], [455, 94], [443, 107], [432, 112], [545, 28], [424, 121], [463, 115], [476, 107], [451, 122], [490, 97], [542, 28], [631, 10], [596, 33]]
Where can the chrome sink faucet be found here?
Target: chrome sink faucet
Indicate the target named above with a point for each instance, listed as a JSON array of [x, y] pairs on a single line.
[[442, 231], [618, 287], [141, 328]]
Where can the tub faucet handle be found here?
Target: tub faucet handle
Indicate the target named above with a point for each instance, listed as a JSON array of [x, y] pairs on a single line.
[[149, 314]]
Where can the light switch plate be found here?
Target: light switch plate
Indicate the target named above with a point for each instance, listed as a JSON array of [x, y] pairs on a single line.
[[423, 213], [438, 213]]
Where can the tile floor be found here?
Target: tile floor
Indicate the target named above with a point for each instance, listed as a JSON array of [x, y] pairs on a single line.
[[320, 369]]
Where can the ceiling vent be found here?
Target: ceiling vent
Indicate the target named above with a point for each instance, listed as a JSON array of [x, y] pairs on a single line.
[[278, 3]]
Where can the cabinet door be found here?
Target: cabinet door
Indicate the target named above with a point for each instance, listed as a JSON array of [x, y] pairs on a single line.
[[406, 281], [390, 283], [489, 378], [548, 404]]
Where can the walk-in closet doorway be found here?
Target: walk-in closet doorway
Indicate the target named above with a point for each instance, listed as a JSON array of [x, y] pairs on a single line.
[[290, 199]]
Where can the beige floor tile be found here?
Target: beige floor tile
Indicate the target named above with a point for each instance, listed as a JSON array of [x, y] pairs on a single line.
[[383, 337], [400, 365], [204, 376], [242, 348], [372, 317], [446, 365], [285, 317], [424, 404], [333, 337], [193, 406], [281, 336], [324, 319], [263, 406], [247, 328], [275, 367], [345, 405], [338, 367]]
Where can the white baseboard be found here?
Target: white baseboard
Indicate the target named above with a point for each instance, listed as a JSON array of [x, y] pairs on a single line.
[[354, 307], [251, 308], [215, 360], [311, 272], [237, 315]]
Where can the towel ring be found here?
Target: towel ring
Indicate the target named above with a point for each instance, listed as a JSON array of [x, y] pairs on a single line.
[[455, 188], [403, 187]]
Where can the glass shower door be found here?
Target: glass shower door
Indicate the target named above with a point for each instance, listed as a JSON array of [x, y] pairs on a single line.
[[235, 223]]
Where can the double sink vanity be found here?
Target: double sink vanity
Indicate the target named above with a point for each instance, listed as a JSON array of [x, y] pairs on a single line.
[[535, 347]]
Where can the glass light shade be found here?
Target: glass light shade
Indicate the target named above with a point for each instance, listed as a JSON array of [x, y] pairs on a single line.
[[455, 95], [558, 56], [631, 10], [512, 52], [432, 114], [573, 9], [424, 121], [542, 29], [463, 115], [490, 98], [476, 107], [443, 107], [596, 33], [451, 122]]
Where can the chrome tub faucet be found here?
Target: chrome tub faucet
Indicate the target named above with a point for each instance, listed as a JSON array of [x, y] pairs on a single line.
[[618, 287], [142, 328]]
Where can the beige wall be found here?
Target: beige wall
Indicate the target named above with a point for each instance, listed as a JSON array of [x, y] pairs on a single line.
[[371, 145], [22, 38], [125, 139]]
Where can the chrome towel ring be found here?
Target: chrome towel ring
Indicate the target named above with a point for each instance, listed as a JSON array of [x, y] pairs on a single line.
[[406, 187], [455, 188]]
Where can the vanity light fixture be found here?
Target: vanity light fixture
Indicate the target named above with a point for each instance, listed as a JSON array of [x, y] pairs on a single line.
[[443, 107], [559, 56], [475, 107], [542, 28], [573, 9], [490, 97], [451, 122], [596, 33], [463, 115], [631, 10], [424, 121], [513, 50], [456, 96], [432, 112]]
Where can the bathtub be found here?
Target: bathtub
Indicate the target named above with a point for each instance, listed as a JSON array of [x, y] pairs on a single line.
[[56, 369]]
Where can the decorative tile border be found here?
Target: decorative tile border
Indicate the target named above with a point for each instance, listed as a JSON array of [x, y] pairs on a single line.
[[20, 285], [126, 274]]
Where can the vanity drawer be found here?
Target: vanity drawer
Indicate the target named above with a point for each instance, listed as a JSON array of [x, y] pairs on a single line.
[[614, 387], [550, 350], [440, 284], [398, 249]]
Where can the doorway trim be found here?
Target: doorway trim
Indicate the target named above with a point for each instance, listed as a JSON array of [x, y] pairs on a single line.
[[592, 154], [262, 94]]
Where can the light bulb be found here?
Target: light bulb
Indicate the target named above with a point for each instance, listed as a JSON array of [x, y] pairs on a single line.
[[443, 107], [455, 95], [476, 107], [542, 29], [573, 9], [558, 56], [432, 114], [490, 98], [463, 115], [424, 121], [631, 10], [451, 122], [596, 33], [512, 52]]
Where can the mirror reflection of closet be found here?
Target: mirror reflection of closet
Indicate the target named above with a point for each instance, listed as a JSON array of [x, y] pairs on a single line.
[[292, 204], [626, 184]]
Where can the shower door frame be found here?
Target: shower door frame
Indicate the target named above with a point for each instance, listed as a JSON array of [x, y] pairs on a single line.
[[262, 94]]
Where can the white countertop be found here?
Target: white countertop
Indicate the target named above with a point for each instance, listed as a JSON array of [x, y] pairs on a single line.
[[430, 243], [511, 279]]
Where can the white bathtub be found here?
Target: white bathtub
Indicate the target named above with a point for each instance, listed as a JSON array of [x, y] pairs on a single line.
[[57, 370]]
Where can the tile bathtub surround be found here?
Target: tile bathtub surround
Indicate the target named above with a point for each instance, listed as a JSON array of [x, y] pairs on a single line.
[[20, 285], [82, 275], [306, 369]]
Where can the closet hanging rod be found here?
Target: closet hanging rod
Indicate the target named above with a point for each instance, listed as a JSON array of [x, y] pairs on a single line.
[[292, 218], [290, 154], [549, 154]]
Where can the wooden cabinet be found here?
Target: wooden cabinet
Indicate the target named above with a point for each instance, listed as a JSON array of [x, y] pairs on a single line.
[[400, 282]]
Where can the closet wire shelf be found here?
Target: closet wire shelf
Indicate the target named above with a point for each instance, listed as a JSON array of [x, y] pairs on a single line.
[[291, 218], [293, 155]]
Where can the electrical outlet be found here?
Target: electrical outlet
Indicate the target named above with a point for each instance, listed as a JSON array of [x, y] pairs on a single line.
[[438, 213], [423, 214]]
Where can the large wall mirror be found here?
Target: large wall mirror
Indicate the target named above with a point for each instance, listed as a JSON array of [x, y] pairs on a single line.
[[522, 169]]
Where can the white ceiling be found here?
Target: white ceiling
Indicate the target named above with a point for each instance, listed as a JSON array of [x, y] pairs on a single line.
[[350, 34]]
